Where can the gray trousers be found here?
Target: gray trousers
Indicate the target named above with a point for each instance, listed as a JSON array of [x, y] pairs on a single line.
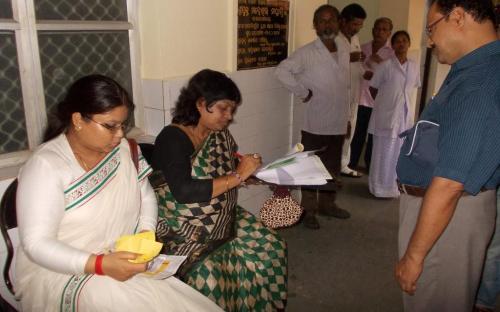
[[452, 268]]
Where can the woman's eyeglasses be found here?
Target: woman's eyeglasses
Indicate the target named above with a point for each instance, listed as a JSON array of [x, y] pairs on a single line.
[[112, 128]]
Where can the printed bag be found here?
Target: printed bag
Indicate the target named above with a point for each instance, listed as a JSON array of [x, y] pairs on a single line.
[[281, 210]]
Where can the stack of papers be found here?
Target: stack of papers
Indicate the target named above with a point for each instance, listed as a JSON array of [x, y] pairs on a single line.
[[301, 168]]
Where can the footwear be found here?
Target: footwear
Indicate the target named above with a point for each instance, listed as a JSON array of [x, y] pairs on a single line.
[[335, 212], [348, 172], [310, 221], [328, 207]]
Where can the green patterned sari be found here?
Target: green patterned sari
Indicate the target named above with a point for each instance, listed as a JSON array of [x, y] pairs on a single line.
[[232, 258]]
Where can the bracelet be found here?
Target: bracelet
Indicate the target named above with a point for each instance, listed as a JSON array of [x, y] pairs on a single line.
[[238, 176], [98, 264]]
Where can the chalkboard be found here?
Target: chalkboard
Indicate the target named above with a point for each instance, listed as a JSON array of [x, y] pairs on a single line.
[[262, 33]]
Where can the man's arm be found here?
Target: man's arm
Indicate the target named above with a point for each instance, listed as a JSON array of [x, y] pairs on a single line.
[[286, 71], [438, 207]]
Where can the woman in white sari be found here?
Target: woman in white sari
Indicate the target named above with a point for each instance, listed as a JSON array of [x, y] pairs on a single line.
[[77, 194]]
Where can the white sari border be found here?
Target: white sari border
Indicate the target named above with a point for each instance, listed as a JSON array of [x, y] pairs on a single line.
[[71, 292]]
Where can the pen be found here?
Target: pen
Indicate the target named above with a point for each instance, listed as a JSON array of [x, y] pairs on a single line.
[[236, 154]]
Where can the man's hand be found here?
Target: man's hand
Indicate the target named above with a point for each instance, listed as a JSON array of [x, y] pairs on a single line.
[[376, 58], [308, 97], [438, 207], [407, 272], [357, 56]]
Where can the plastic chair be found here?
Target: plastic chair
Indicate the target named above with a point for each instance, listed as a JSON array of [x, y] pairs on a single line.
[[8, 221]]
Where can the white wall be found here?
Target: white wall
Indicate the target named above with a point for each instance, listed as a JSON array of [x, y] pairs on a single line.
[[180, 37]]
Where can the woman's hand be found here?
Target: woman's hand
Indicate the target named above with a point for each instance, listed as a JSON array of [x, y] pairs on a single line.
[[248, 164], [117, 266]]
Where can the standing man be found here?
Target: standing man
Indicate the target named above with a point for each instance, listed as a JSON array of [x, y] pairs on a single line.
[[316, 73], [376, 51], [450, 173], [351, 22]]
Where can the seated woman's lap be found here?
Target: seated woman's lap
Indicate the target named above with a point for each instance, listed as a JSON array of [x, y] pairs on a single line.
[[249, 270], [139, 294]]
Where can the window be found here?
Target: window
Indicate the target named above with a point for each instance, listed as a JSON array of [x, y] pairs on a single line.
[[45, 45]]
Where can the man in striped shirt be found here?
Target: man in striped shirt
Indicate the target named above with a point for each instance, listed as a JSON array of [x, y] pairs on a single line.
[[449, 165]]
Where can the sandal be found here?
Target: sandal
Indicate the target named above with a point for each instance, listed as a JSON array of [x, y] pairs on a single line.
[[351, 173]]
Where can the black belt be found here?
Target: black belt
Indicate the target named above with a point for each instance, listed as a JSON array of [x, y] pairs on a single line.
[[418, 191]]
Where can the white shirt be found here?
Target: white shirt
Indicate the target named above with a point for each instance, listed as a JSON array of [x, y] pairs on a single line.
[[385, 53], [313, 67], [395, 82], [355, 72]]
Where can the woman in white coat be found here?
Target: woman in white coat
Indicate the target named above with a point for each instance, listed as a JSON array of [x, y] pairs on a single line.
[[392, 87]]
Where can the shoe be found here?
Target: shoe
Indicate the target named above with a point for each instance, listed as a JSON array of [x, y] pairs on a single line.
[[348, 172], [335, 212], [328, 207], [310, 221]]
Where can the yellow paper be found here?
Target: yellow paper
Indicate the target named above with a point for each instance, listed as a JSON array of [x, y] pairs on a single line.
[[143, 244]]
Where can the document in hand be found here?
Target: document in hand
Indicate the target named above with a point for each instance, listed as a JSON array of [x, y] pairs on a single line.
[[164, 266], [303, 168]]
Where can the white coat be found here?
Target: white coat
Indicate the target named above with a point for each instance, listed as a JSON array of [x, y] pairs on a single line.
[[395, 83]]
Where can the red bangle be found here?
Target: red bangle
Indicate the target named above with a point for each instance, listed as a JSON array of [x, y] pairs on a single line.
[[98, 264]]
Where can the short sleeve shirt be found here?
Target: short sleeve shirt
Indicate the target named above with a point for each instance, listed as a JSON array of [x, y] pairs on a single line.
[[467, 111]]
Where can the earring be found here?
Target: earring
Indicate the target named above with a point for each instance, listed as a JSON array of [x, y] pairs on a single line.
[[78, 128]]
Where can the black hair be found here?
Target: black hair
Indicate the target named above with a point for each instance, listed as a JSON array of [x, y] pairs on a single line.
[[480, 10], [89, 95], [353, 11], [383, 20], [324, 7], [208, 84], [400, 33]]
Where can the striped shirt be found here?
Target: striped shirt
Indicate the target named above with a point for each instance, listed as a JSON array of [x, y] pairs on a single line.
[[467, 110]]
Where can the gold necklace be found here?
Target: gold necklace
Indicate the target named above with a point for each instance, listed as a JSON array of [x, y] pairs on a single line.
[[197, 137], [82, 162]]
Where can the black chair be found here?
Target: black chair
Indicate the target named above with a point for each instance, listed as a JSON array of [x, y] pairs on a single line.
[[8, 221]]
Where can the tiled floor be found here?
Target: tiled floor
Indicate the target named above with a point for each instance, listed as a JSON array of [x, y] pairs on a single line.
[[347, 265]]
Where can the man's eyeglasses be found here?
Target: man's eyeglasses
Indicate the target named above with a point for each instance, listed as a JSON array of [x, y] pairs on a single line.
[[113, 129], [430, 27]]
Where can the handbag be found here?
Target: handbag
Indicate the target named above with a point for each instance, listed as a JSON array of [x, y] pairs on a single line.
[[134, 153], [281, 210]]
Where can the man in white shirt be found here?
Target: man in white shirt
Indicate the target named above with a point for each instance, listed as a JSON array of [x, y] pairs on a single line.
[[351, 22], [376, 51], [315, 73]]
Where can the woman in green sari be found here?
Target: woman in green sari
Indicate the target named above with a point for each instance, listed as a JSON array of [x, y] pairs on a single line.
[[232, 258]]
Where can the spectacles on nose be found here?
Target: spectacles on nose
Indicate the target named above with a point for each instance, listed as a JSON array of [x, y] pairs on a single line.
[[113, 129], [430, 27]]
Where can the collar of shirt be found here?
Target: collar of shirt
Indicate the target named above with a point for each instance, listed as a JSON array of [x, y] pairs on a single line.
[[477, 56], [384, 52], [352, 44]]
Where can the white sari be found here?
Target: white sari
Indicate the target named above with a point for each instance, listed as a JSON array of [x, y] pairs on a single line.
[[65, 214]]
